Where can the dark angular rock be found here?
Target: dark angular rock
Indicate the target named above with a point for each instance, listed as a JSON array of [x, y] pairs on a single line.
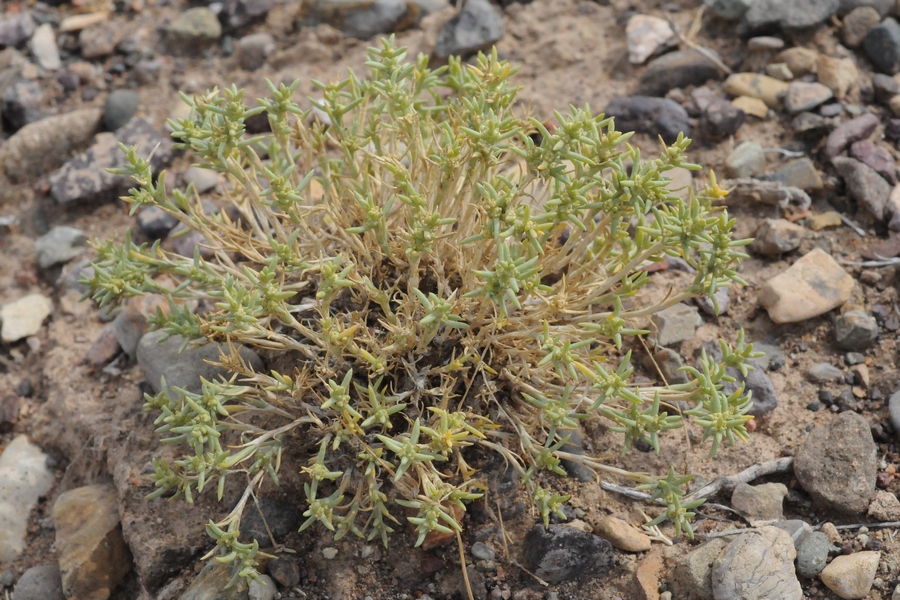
[[721, 119], [243, 12], [16, 29], [561, 553], [810, 124], [865, 185], [885, 88], [281, 517], [21, 104], [855, 330], [575, 445], [478, 25], [876, 157], [646, 114], [882, 46], [677, 70], [285, 571]]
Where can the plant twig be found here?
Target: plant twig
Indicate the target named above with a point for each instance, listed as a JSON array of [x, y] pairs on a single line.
[[779, 465], [859, 230]]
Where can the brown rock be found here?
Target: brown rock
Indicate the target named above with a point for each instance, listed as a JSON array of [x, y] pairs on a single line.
[[812, 286], [883, 249], [93, 557], [774, 237], [622, 535], [838, 74], [105, 348], [851, 576], [44, 145], [758, 565], [800, 61], [690, 578], [853, 130], [884, 507], [646, 576], [752, 106], [768, 89], [877, 157], [802, 96], [857, 24], [864, 185], [820, 221]]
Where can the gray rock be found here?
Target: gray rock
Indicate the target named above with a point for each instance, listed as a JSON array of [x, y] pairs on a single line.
[[853, 130], [24, 478], [821, 372], [729, 9], [381, 16], [857, 24], [876, 157], [764, 397], [99, 41], [800, 173], [195, 28], [723, 300], [885, 88], [797, 529], [802, 96], [809, 124], [759, 502], [669, 363], [855, 330], [812, 554], [16, 29], [262, 588], [476, 27], [22, 100], [882, 46], [721, 119], [561, 553], [120, 106], [575, 445], [155, 222], [788, 15], [894, 410], [676, 324], [285, 571], [203, 179], [210, 585], [836, 464], [281, 516], [43, 47], [183, 370], [39, 583], [758, 565], [746, 160], [677, 69], [253, 50], [690, 577], [775, 237], [44, 145], [239, 13], [865, 185], [85, 177], [61, 244], [481, 551], [646, 114], [428, 7]]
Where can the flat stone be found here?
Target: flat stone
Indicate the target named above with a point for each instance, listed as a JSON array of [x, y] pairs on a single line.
[[690, 577], [562, 553], [857, 24], [44, 145], [821, 372], [882, 46], [204, 180], [836, 464], [765, 42], [759, 502], [23, 317], [884, 507], [812, 286], [851, 131], [812, 554], [729, 9], [789, 15], [676, 324], [797, 529], [210, 585], [59, 245], [855, 330], [43, 47], [24, 478], [758, 565], [851, 576], [820, 221], [803, 96], [476, 27], [646, 576], [751, 106], [774, 237], [622, 535], [768, 89], [779, 71], [801, 61], [647, 114], [195, 27], [800, 173], [182, 370], [93, 557], [16, 28], [39, 583], [877, 158], [677, 69], [746, 160], [865, 185], [646, 35]]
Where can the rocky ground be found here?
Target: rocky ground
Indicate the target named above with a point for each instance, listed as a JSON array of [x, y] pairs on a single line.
[[796, 102]]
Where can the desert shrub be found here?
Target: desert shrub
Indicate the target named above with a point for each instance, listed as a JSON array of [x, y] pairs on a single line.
[[431, 275]]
